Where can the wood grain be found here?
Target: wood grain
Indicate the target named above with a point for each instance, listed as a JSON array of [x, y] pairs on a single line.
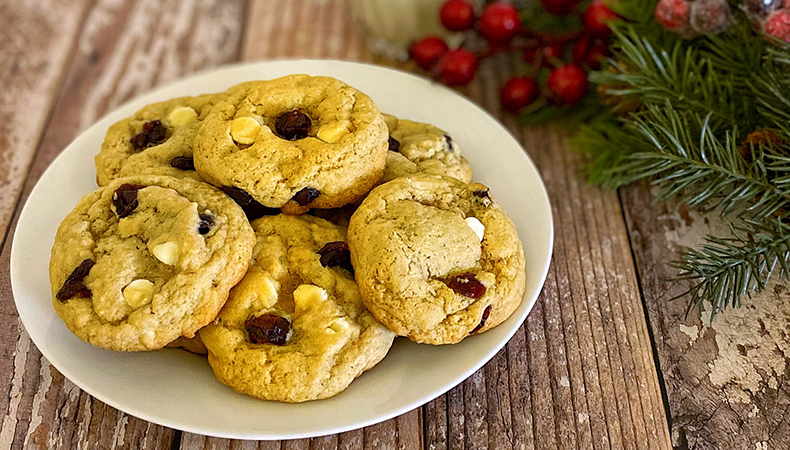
[[37, 39], [123, 48], [707, 413], [579, 374]]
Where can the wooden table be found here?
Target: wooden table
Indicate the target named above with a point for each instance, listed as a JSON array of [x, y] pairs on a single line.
[[604, 360]]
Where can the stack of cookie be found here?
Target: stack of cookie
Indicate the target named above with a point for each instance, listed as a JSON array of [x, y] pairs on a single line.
[[289, 230]]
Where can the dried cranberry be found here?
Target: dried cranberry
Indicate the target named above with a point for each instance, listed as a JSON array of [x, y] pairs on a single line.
[[486, 313], [183, 163], [394, 145], [336, 254], [73, 285], [482, 193], [306, 195], [206, 221], [268, 329], [125, 199], [467, 285], [251, 207], [293, 125], [449, 141], [153, 133]]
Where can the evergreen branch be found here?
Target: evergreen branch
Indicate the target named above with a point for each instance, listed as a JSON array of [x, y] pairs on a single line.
[[710, 126], [770, 90], [684, 77], [609, 144], [640, 12], [689, 163], [725, 269]]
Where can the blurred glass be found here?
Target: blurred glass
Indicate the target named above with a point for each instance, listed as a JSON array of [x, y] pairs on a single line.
[[390, 26]]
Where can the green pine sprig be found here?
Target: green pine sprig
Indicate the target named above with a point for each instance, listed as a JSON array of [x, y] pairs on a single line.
[[709, 126], [724, 269]]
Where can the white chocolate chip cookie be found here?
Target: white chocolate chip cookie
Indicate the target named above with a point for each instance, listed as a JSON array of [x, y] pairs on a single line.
[[295, 328], [147, 259], [416, 147], [156, 140], [436, 259], [294, 143]]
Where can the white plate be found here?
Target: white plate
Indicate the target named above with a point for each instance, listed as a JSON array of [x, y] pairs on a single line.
[[177, 389]]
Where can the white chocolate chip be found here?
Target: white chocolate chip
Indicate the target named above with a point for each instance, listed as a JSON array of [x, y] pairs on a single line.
[[341, 325], [268, 291], [332, 132], [307, 295], [487, 278], [138, 293], [244, 130], [476, 226], [182, 115], [167, 253]]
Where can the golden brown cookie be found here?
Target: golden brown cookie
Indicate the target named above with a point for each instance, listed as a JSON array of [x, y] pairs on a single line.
[[294, 143], [295, 328], [147, 259], [436, 259], [417, 147], [157, 140]]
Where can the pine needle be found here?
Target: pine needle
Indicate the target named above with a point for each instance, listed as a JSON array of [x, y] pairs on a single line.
[[709, 127]]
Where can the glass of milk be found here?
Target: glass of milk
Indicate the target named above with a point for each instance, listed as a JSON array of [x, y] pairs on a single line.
[[390, 26]]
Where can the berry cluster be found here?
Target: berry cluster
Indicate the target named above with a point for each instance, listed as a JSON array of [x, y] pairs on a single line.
[[566, 57], [693, 18]]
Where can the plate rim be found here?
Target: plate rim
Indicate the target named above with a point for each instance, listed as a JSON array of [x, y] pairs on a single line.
[[156, 94]]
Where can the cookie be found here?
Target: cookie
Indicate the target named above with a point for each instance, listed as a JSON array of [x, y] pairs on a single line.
[[294, 143], [436, 259], [422, 148], [295, 328], [147, 259], [156, 140], [193, 345]]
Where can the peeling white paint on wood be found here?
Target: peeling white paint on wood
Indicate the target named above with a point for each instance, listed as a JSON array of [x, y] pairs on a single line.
[[15, 391], [39, 399]]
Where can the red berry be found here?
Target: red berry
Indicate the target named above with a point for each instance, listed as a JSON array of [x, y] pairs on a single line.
[[458, 67], [710, 16], [559, 7], [567, 84], [596, 19], [499, 22], [427, 51], [597, 54], [778, 25], [518, 92], [590, 50], [582, 48], [673, 14], [549, 53], [457, 15]]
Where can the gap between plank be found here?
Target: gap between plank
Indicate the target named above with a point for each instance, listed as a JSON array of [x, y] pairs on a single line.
[[175, 444], [656, 362]]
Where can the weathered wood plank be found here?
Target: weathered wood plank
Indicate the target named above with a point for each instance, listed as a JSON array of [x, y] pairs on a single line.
[[293, 34], [581, 374], [401, 433], [726, 380], [37, 38], [124, 48]]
